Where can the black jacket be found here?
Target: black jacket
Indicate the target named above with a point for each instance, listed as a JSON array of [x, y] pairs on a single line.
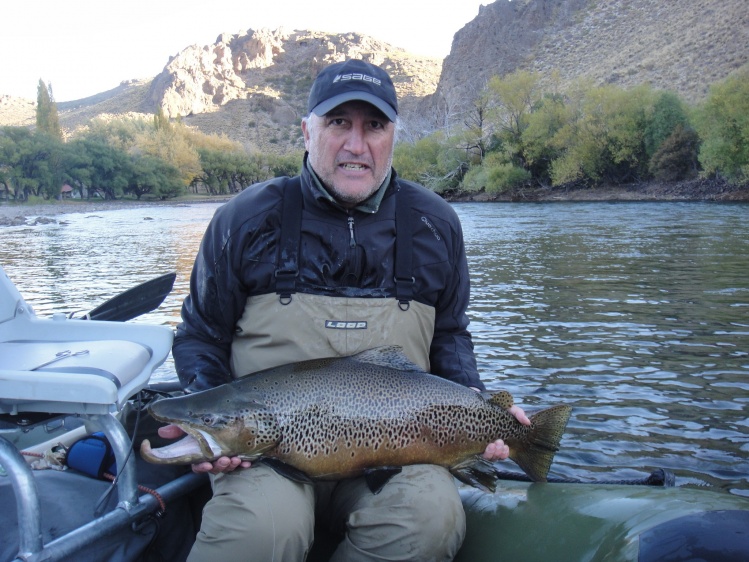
[[343, 253]]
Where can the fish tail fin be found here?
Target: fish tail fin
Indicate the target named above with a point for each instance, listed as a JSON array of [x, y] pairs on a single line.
[[535, 452]]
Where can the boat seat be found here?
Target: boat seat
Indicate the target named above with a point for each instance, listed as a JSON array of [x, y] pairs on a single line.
[[118, 359], [60, 365], [85, 372]]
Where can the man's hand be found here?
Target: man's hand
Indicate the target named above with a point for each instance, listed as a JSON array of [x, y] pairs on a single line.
[[222, 464], [498, 451]]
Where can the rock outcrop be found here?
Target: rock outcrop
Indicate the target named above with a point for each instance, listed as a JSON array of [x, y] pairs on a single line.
[[681, 45], [253, 86]]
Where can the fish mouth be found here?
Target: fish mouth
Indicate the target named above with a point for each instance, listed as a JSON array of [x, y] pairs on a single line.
[[196, 446]]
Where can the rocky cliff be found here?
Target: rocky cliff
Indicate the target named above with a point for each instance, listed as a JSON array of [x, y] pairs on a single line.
[[253, 86], [678, 45]]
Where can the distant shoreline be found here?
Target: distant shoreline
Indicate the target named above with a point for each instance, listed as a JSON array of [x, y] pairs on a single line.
[[704, 190], [19, 214]]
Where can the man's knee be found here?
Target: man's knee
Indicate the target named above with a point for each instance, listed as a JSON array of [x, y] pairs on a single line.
[[435, 514], [439, 514], [259, 512], [417, 516]]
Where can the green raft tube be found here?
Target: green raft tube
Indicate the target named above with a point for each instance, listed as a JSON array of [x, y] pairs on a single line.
[[586, 522]]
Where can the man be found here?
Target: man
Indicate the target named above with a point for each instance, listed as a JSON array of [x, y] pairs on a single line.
[[310, 267]]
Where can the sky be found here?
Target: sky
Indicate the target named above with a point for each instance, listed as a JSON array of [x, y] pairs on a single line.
[[83, 47]]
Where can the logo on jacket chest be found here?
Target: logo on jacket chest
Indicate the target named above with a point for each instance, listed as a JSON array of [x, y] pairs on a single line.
[[345, 325]]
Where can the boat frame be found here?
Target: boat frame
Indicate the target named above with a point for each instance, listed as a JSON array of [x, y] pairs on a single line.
[[39, 374]]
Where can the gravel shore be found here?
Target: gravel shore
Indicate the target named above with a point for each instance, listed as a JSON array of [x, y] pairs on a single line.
[[19, 214], [9, 210]]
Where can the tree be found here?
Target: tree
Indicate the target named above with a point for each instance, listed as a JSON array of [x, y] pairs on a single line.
[[723, 125], [676, 157], [78, 164], [121, 133], [668, 114], [476, 133], [436, 162], [603, 138], [172, 145], [285, 165], [31, 162], [160, 120], [495, 175], [227, 172], [151, 175], [110, 168], [540, 150], [47, 119], [510, 101]]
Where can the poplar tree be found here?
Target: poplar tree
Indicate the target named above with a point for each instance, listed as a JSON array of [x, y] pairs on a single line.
[[47, 119]]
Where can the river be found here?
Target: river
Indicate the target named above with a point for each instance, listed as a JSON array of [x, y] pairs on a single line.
[[636, 314]]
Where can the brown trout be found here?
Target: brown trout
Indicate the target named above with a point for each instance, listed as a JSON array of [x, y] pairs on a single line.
[[342, 417]]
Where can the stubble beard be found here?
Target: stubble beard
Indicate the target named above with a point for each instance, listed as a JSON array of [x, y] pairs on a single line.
[[349, 199]]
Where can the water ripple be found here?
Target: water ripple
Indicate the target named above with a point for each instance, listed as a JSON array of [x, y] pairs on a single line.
[[634, 314]]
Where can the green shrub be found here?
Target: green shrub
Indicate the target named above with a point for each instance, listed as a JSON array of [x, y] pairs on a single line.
[[495, 176], [676, 159], [504, 177], [475, 179], [723, 125]]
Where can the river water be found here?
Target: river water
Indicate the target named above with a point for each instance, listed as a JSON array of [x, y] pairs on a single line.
[[636, 314]]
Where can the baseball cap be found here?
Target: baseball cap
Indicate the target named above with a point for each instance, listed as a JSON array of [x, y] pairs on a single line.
[[353, 80]]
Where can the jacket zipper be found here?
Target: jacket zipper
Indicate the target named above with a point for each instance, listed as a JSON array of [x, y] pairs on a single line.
[[352, 238]]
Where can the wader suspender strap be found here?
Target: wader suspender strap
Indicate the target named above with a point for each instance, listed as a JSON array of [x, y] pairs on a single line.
[[291, 229], [404, 279], [287, 268]]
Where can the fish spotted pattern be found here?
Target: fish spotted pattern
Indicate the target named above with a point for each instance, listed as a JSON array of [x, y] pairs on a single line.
[[339, 417]]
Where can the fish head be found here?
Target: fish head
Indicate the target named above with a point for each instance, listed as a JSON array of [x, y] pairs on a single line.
[[218, 422]]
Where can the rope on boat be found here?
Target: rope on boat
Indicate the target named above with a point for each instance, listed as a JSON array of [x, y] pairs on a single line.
[[111, 478], [659, 477], [154, 493], [32, 454]]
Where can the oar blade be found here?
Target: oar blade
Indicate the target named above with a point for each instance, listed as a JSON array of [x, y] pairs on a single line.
[[136, 301]]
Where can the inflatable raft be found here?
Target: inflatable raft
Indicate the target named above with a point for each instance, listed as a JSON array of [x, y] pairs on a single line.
[[600, 522], [58, 370]]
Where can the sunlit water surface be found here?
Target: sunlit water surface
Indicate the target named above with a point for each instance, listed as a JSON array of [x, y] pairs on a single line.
[[637, 315]]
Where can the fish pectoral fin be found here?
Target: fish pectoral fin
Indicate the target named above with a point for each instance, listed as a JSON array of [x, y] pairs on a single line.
[[287, 471], [376, 478], [477, 472]]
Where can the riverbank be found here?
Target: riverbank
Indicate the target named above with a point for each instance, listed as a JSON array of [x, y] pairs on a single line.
[[19, 214], [44, 212], [717, 190]]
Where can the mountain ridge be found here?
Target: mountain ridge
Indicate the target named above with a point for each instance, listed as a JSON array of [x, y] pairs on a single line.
[[252, 86]]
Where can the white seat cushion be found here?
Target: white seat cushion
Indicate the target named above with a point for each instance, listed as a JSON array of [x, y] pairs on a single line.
[[93, 377]]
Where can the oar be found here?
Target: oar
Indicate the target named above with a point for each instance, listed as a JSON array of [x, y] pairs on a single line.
[[136, 301]]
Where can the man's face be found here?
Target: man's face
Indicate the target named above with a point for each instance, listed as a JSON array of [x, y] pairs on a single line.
[[351, 149]]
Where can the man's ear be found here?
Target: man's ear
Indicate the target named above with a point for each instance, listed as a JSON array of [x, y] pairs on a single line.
[[305, 133]]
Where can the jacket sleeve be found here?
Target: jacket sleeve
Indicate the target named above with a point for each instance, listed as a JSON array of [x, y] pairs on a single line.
[[451, 355], [202, 345]]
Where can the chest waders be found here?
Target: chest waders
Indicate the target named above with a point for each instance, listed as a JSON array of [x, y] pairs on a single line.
[[287, 326]]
